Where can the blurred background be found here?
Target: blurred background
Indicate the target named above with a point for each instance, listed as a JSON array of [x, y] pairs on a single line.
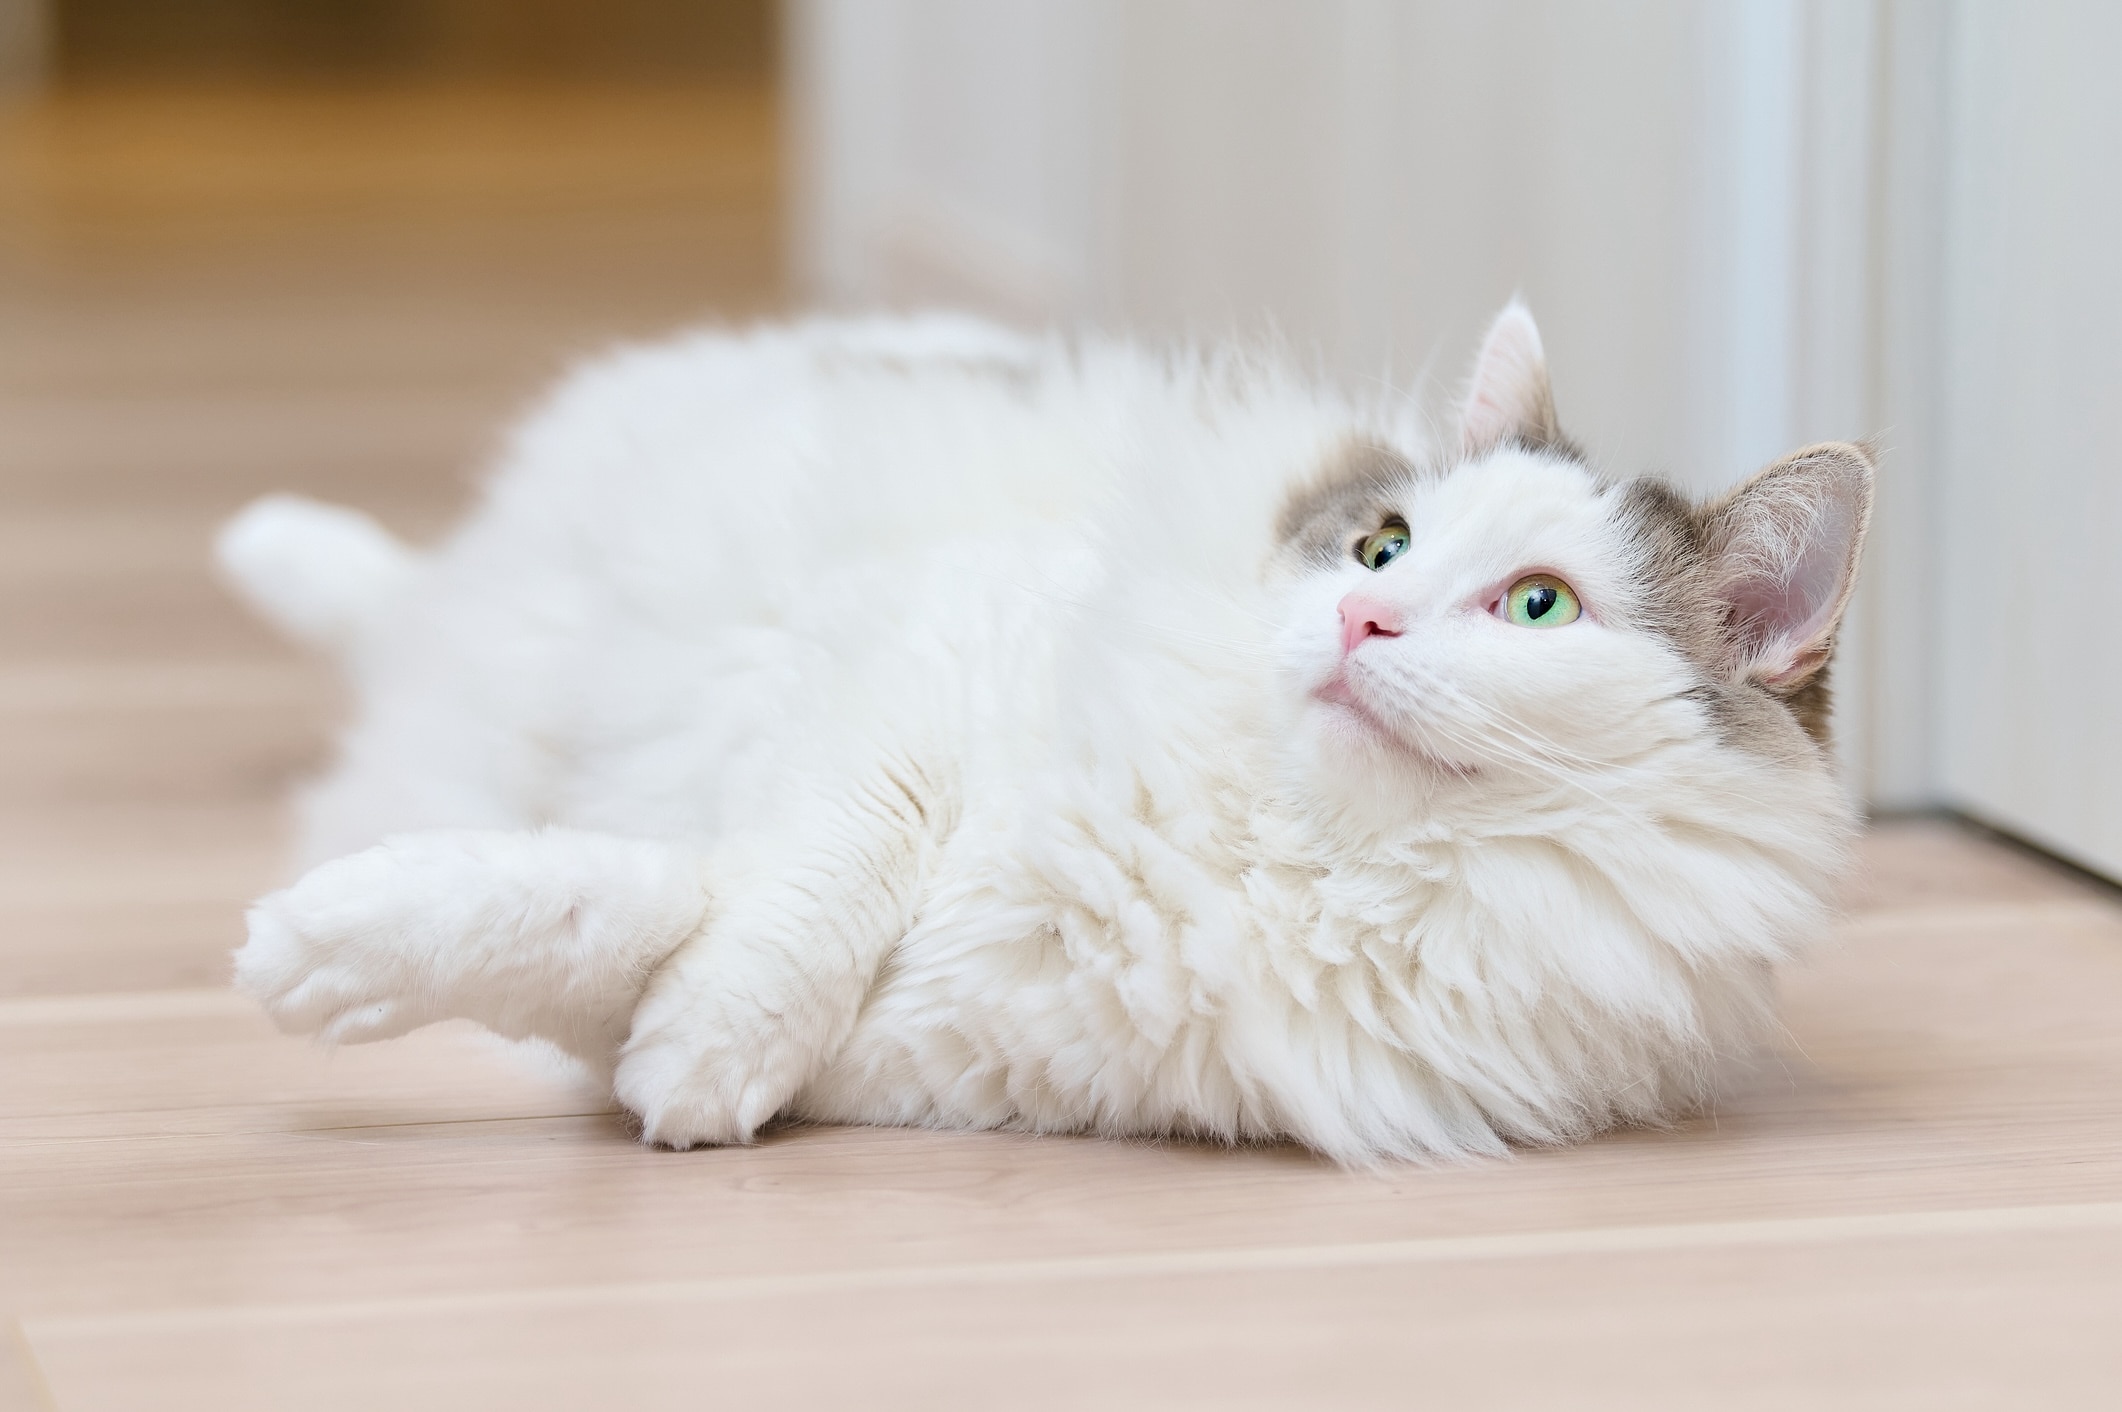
[[332, 245], [335, 245]]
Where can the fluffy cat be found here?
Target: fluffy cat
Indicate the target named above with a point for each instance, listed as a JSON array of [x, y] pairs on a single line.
[[904, 721]]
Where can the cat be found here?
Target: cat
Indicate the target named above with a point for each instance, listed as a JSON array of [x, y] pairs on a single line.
[[909, 721]]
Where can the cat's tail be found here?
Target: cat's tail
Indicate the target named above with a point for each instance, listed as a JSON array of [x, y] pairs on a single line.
[[317, 572]]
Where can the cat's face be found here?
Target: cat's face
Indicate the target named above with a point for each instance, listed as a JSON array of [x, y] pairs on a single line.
[[1514, 617], [1491, 614]]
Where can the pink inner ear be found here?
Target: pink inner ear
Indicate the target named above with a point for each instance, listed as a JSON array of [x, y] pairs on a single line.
[[1785, 604], [1488, 421], [1509, 392]]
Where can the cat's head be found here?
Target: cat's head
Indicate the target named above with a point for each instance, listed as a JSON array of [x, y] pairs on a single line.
[[1508, 617]]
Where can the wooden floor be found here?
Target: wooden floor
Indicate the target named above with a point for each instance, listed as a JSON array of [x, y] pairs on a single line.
[[1916, 1204]]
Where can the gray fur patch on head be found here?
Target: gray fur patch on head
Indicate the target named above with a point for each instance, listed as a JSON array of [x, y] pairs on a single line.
[[1351, 495]]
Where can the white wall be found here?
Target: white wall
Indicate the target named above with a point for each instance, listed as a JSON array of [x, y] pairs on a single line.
[[2029, 520], [1376, 177], [1743, 224], [944, 150]]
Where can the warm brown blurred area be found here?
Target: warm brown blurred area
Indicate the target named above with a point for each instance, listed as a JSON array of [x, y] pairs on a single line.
[[434, 215], [329, 247], [431, 236], [612, 39]]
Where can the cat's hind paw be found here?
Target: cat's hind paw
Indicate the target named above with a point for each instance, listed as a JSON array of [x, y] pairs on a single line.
[[321, 961]]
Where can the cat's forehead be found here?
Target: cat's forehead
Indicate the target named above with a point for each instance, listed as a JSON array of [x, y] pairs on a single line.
[[1508, 487], [1363, 484]]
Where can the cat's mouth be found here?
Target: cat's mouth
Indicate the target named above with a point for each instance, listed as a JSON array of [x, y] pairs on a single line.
[[1339, 696]]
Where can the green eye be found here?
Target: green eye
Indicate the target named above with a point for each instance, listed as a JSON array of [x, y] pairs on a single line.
[[1383, 547], [1540, 601]]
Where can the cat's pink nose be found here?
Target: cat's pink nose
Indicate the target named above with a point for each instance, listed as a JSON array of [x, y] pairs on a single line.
[[1363, 616]]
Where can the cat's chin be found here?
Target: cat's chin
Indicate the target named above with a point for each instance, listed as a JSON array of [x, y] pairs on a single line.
[[1352, 725]]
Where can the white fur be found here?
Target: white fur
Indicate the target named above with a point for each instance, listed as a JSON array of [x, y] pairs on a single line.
[[907, 722], [319, 573]]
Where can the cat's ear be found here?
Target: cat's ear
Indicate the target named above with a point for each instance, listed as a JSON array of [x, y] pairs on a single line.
[[1784, 549], [1509, 398]]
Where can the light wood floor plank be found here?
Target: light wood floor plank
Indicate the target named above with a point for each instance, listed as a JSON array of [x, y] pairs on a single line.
[[1861, 1322], [1932, 1066]]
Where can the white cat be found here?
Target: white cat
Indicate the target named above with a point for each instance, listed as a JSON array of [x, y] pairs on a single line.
[[902, 721]]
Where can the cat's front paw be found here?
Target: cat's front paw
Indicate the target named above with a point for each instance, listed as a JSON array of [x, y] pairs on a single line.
[[324, 957], [708, 1065]]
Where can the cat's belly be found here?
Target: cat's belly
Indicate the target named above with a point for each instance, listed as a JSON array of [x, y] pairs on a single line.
[[933, 657], [638, 720]]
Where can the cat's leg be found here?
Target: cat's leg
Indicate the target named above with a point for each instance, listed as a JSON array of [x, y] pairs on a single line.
[[548, 934], [742, 1016]]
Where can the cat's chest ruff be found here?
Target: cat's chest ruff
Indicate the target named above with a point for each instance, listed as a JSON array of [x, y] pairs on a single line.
[[1407, 912], [1321, 910]]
